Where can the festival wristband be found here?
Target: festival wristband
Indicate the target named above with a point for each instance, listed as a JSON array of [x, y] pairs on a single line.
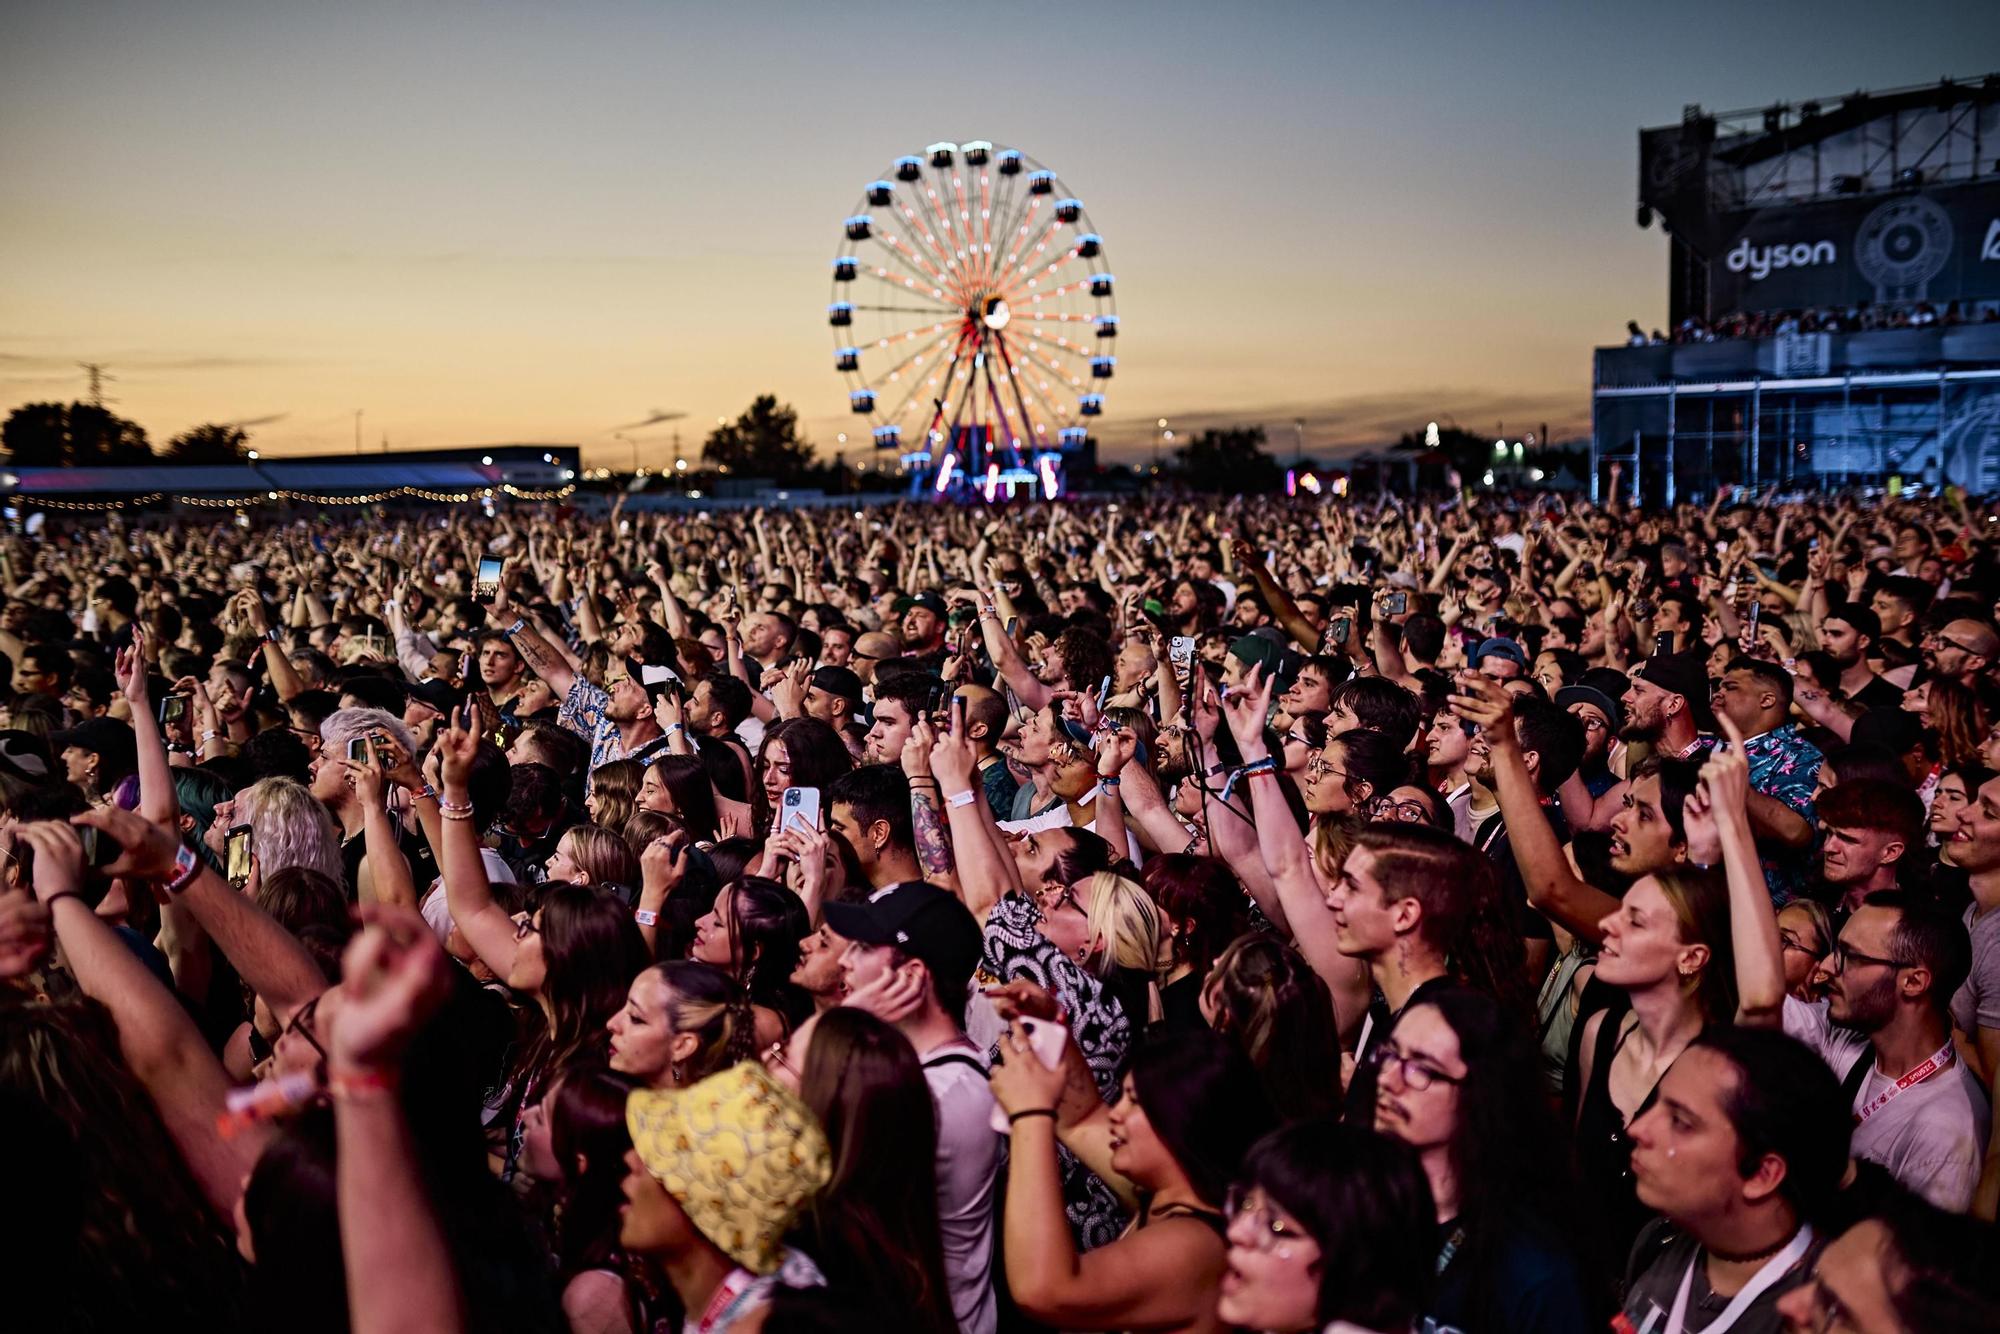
[[186, 867], [646, 917], [956, 799]]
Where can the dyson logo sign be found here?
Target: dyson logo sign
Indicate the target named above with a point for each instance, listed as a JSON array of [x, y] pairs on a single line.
[[1759, 260]]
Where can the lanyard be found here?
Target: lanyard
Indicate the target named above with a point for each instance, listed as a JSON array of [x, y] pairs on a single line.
[[1450, 1250], [724, 1301], [1937, 1062], [1774, 1269]]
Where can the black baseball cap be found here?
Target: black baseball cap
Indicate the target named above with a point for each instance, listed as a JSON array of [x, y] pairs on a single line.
[[1684, 674], [440, 695], [107, 738], [1603, 688], [841, 683], [924, 922]]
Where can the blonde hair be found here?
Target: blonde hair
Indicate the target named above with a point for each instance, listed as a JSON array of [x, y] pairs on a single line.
[[289, 827], [1125, 929], [602, 855]]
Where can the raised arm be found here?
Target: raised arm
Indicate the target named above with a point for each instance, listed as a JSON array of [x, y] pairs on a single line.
[[1287, 856], [1554, 888], [1753, 926], [157, 1037], [400, 1278], [984, 863], [483, 922]]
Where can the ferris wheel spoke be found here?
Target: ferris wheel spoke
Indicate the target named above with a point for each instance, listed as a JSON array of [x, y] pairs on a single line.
[[996, 233], [933, 204], [985, 223], [920, 232], [936, 312], [1053, 417], [1027, 377], [1011, 435], [1019, 242], [1020, 399], [1030, 262], [895, 370], [943, 390], [905, 262], [915, 287]]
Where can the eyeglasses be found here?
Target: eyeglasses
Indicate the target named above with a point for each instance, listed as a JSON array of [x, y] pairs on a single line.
[[1404, 812], [1828, 1311], [1272, 1232], [1417, 1073], [301, 1024], [774, 1059], [1318, 765], [1592, 724], [1788, 941], [1843, 956], [1939, 637], [524, 926]]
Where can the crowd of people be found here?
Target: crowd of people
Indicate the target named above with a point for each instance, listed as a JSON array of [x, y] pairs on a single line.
[[1862, 317], [1465, 914]]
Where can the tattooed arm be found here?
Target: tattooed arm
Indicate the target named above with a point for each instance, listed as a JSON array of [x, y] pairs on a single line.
[[543, 660], [927, 822]]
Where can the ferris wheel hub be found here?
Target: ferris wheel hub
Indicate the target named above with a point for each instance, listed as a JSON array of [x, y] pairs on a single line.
[[994, 314]]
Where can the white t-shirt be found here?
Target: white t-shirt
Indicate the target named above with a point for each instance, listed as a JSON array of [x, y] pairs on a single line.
[[1058, 817], [437, 913], [968, 1166], [1931, 1136], [1976, 1004]]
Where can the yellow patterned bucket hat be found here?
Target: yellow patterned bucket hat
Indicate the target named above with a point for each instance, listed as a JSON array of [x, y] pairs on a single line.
[[738, 1152]]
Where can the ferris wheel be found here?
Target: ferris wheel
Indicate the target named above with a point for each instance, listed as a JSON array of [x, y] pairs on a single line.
[[973, 316]]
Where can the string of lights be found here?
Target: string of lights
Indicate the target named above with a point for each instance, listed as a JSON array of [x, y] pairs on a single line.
[[303, 497]]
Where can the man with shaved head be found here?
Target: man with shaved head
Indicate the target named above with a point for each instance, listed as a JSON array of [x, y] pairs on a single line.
[[874, 647], [1960, 651]]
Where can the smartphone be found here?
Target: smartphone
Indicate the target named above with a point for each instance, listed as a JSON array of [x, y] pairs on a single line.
[[1339, 630], [236, 855], [172, 709], [1399, 603], [1180, 653], [1047, 1041], [357, 750], [1663, 643], [99, 848], [799, 807], [465, 668], [487, 582]]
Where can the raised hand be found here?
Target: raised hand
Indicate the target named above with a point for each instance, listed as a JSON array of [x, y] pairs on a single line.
[[457, 746], [1247, 709], [394, 977], [1116, 748], [1480, 699], [131, 669]]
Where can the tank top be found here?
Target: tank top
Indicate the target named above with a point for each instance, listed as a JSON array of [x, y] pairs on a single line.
[[1604, 1151]]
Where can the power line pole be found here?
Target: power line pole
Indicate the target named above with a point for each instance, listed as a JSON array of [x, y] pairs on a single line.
[[97, 379]]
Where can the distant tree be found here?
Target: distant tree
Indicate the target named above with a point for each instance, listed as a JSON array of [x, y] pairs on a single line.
[[82, 435], [36, 435], [1229, 460], [210, 444], [763, 442]]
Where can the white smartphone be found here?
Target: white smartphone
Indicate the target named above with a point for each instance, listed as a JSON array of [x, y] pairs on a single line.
[[1047, 1041], [1180, 652], [800, 807]]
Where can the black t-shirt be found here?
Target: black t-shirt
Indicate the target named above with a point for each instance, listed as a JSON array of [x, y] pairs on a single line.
[[1491, 838], [1536, 1286], [1879, 694], [423, 867]]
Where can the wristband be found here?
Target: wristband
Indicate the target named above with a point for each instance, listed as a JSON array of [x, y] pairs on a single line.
[[673, 728], [211, 734], [61, 894], [645, 917], [1108, 780], [360, 1084], [1049, 1112], [423, 792], [186, 867], [520, 624], [274, 636], [957, 799]]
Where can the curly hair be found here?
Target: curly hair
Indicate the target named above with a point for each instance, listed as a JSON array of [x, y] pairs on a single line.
[[614, 788]]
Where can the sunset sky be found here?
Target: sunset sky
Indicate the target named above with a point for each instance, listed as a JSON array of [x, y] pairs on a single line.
[[537, 222]]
